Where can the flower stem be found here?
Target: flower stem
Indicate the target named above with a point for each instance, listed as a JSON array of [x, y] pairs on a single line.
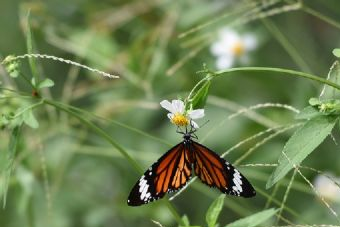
[[278, 70]]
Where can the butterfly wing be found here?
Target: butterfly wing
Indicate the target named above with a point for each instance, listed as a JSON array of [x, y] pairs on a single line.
[[170, 173], [217, 172]]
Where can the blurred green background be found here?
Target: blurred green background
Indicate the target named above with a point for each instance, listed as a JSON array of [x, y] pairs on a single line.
[[66, 175]]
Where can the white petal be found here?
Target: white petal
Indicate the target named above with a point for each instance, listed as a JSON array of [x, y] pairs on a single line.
[[195, 114], [227, 33], [250, 42], [170, 115], [167, 105], [194, 124], [178, 106], [218, 49], [229, 37], [224, 62]]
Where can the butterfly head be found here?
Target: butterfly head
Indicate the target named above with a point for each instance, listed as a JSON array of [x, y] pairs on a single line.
[[189, 133]]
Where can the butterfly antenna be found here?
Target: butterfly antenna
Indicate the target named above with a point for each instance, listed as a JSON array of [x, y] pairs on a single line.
[[204, 124], [178, 130]]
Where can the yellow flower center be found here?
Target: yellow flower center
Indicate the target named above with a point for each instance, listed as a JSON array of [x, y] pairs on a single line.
[[180, 120], [238, 48]]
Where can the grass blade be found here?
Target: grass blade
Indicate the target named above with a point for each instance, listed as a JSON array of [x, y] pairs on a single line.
[[253, 220], [7, 160], [214, 211]]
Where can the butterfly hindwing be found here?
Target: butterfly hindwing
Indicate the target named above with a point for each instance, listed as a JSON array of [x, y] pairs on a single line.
[[170, 173], [217, 172]]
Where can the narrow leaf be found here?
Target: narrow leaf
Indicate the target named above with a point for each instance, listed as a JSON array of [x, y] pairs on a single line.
[[336, 52], [214, 211], [253, 220], [7, 160], [308, 113], [201, 96], [46, 83], [185, 221], [301, 144], [29, 119], [30, 48], [333, 76], [314, 102]]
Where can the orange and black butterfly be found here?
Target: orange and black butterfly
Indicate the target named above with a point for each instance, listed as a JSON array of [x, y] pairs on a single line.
[[173, 170]]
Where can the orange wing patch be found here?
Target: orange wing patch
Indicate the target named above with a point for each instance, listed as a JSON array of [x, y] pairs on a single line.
[[173, 170], [209, 167]]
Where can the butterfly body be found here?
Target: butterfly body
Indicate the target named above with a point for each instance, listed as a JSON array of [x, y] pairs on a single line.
[[174, 169]]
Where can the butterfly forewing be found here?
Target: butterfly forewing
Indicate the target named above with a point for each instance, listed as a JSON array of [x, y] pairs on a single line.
[[170, 173], [217, 172]]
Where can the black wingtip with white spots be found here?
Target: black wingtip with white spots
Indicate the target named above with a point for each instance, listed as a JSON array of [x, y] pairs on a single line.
[[240, 186]]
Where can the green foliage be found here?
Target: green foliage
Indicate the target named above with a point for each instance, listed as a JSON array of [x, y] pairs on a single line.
[[200, 97], [42, 84], [214, 211], [254, 219], [7, 161], [29, 119], [321, 116], [12, 66], [333, 76], [80, 155], [186, 222], [336, 52], [301, 144]]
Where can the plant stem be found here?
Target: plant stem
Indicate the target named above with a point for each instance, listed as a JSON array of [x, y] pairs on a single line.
[[321, 16], [99, 131], [278, 70]]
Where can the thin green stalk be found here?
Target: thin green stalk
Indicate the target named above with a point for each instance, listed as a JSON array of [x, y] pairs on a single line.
[[197, 86], [290, 49], [30, 49], [99, 131], [321, 16], [107, 137], [28, 108], [278, 70], [272, 195], [75, 109]]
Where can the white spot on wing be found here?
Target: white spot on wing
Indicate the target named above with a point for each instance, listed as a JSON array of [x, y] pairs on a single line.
[[142, 184], [237, 181]]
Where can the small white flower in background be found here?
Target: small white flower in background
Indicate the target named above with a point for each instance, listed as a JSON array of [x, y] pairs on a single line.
[[327, 188], [231, 46], [179, 116]]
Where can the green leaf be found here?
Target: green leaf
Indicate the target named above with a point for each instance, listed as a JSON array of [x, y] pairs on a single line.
[[7, 160], [314, 102], [29, 119], [334, 76], [308, 112], [200, 98], [25, 179], [336, 52], [253, 220], [214, 211], [301, 144], [186, 222], [12, 66], [33, 82], [30, 48], [46, 83]]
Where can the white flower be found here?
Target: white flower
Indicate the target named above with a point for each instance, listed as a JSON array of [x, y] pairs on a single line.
[[327, 188], [179, 116], [232, 46]]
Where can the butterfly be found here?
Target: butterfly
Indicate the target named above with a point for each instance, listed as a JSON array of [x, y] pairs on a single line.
[[174, 169]]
